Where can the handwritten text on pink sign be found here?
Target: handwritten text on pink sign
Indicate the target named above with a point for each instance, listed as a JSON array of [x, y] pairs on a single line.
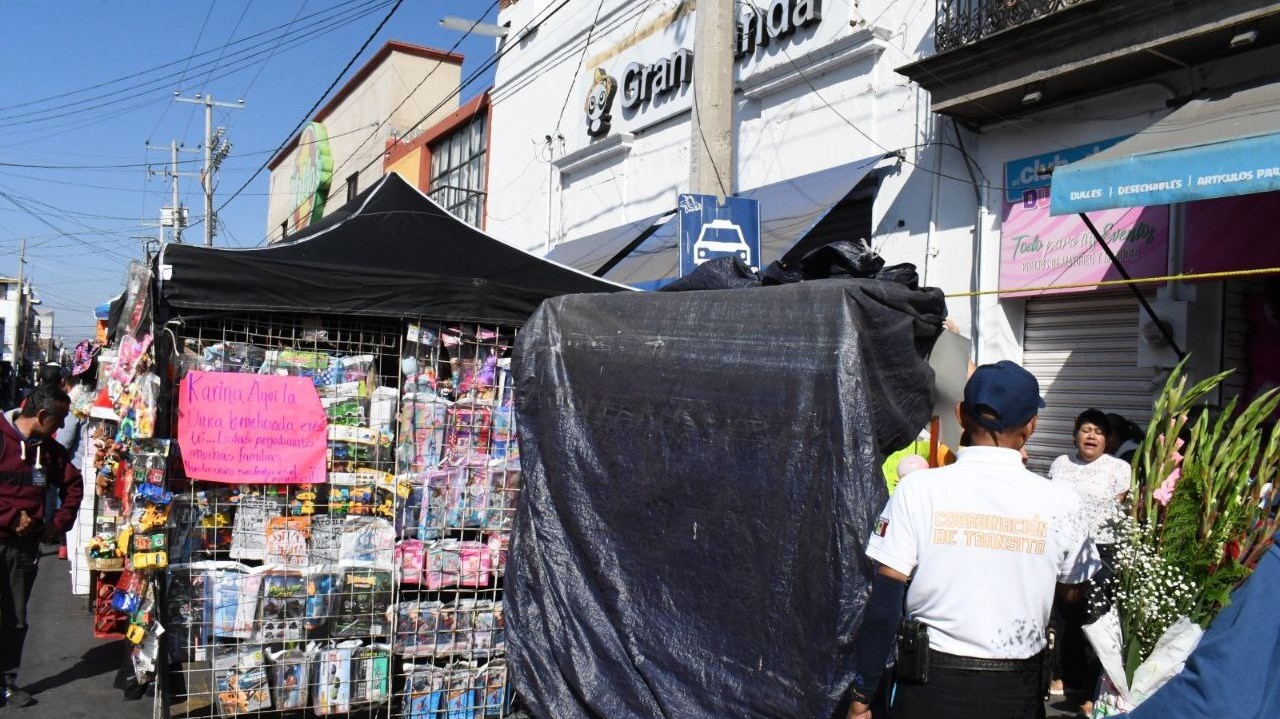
[[248, 429]]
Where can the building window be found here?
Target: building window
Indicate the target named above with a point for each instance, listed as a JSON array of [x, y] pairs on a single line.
[[353, 186], [458, 171]]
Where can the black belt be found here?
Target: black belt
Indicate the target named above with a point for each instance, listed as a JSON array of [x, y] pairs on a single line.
[[939, 660]]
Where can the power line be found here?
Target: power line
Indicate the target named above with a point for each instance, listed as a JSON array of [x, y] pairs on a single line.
[[134, 165], [171, 63], [194, 47], [307, 116], [581, 59], [414, 90], [40, 218], [224, 47], [263, 66], [244, 58], [490, 62]]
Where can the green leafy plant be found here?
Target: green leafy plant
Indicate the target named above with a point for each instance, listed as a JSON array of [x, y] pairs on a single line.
[[1199, 514]]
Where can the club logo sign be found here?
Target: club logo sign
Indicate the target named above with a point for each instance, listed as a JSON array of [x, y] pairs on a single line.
[[758, 25], [600, 103]]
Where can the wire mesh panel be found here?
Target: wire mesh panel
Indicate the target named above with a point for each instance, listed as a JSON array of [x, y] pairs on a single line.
[[379, 591]]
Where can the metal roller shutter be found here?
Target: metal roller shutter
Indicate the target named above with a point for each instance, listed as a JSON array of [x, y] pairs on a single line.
[[1235, 333], [1083, 351]]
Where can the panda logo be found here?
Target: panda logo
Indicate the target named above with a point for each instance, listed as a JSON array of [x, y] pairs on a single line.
[[600, 102]]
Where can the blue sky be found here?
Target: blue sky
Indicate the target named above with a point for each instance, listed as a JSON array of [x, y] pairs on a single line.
[[88, 82]]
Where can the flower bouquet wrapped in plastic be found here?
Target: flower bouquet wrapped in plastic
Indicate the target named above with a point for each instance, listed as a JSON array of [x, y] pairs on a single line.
[[1198, 520]]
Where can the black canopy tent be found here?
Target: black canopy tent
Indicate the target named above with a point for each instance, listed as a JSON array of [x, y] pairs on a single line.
[[391, 252]]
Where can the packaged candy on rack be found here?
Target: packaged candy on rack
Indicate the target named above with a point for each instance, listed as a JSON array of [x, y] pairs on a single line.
[[347, 411], [410, 508], [240, 679], [467, 432], [499, 628], [363, 603], [484, 624], [332, 693], [477, 493], [248, 535], [421, 431], [443, 508], [150, 459], [324, 586], [442, 563], [286, 542], [417, 628], [290, 675], [491, 690], [370, 674], [498, 543], [298, 363], [326, 539], [504, 445], [504, 491], [475, 566], [303, 503], [368, 542], [282, 613], [382, 409], [424, 691], [187, 612], [233, 591], [410, 555], [453, 632], [459, 691]]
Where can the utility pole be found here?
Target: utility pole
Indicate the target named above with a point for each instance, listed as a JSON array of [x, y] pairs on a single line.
[[178, 215], [711, 155], [215, 151], [20, 336]]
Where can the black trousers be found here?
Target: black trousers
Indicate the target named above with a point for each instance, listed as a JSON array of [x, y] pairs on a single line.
[[18, 563], [969, 694]]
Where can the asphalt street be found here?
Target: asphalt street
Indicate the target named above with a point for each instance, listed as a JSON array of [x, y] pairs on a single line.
[[70, 673]]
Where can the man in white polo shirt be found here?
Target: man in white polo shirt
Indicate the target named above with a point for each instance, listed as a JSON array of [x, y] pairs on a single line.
[[977, 549]]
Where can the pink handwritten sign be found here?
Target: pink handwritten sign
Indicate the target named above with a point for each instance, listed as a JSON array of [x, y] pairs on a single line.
[[1037, 250], [251, 429]]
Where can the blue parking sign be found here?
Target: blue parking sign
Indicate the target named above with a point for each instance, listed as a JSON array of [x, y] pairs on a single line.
[[709, 230]]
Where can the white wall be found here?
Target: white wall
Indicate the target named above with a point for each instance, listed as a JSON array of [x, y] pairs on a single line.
[[797, 123]]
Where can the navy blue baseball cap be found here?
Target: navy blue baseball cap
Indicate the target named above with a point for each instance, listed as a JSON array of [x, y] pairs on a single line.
[[1005, 390]]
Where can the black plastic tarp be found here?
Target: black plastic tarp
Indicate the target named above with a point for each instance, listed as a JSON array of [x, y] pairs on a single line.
[[701, 472], [391, 252]]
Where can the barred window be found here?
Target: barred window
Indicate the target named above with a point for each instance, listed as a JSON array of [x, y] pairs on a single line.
[[458, 171]]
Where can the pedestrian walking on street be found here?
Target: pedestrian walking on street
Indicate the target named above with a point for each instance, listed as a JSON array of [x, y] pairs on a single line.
[[974, 553], [30, 459]]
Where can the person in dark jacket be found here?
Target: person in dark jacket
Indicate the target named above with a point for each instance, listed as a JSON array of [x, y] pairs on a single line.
[[30, 460]]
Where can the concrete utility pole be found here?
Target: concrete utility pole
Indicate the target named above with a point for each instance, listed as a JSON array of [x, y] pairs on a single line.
[[178, 216], [20, 336], [215, 151], [711, 152]]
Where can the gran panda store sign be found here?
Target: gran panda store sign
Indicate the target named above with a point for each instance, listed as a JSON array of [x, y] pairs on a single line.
[[641, 85]]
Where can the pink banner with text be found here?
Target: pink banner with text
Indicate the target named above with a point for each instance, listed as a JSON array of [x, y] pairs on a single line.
[[1038, 251], [251, 429]]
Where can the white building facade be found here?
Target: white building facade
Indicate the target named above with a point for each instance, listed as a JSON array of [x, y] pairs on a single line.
[[825, 131]]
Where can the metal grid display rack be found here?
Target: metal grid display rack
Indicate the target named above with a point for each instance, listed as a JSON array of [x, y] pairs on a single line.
[[379, 592]]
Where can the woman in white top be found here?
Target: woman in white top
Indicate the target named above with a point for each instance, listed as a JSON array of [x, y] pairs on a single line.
[[1101, 481]]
